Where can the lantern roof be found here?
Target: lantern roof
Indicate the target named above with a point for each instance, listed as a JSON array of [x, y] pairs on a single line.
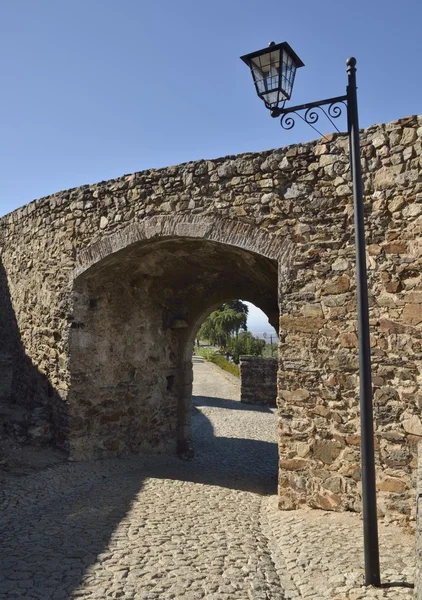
[[271, 48]]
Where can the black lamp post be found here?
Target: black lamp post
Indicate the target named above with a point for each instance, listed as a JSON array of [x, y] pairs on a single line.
[[273, 71]]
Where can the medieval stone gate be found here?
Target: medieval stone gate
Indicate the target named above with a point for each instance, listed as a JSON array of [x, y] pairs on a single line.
[[139, 297], [103, 288]]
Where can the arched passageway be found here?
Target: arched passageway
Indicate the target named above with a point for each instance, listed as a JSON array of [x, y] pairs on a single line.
[[234, 434], [65, 313], [136, 312]]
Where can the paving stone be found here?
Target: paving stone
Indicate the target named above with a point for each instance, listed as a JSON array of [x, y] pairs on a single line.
[[159, 528]]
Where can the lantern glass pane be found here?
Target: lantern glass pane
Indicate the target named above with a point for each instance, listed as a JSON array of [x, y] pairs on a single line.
[[288, 71], [272, 98], [266, 72]]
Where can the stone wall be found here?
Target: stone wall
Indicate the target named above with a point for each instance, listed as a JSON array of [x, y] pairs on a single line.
[[318, 378], [418, 573], [258, 380], [242, 218], [5, 377]]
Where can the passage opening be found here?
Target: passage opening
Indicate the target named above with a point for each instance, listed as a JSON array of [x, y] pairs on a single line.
[[234, 396]]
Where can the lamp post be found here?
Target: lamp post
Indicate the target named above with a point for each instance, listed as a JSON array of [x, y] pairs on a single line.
[[273, 70]]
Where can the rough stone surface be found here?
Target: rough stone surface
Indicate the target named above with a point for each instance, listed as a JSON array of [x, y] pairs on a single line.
[[258, 380], [95, 281], [151, 528], [5, 378], [319, 555], [159, 528], [418, 575]]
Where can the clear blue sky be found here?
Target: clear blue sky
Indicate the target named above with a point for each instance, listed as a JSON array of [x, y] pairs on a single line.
[[93, 89]]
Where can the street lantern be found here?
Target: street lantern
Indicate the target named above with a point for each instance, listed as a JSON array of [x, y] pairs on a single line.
[[273, 70]]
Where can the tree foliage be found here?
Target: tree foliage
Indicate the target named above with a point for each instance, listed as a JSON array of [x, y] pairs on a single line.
[[226, 327], [240, 307], [222, 323], [245, 343]]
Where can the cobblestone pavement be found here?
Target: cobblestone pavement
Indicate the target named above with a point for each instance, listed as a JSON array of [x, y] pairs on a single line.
[[160, 528], [151, 527], [319, 555]]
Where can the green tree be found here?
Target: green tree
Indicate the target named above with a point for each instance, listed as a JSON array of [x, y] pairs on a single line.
[[222, 323], [245, 343], [240, 307]]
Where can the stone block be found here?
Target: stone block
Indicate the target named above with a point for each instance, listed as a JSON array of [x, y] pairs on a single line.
[[385, 177], [412, 314], [258, 380], [337, 285], [391, 484], [348, 340], [395, 248], [301, 324], [299, 395], [293, 464], [413, 425], [326, 501], [327, 451]]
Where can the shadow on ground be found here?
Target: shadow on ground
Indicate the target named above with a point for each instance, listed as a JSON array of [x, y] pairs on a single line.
[[244, 463], [401, 584], [230, 404], [64, 518]]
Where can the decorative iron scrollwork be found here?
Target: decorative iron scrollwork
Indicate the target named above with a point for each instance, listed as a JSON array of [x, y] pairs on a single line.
[[310, 113]]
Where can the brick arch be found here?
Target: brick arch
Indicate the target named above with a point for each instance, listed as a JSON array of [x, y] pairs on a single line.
[[156, 278], [225, 231]]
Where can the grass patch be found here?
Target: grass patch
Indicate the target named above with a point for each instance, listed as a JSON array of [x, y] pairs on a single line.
[[218, 360], [221, 362], [206, 353]]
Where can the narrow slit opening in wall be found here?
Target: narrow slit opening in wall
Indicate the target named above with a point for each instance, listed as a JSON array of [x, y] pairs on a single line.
[[170, 382]]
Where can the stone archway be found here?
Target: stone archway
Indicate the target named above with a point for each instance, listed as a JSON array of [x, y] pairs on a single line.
[[185, 403], [254, 203], [138, 298]]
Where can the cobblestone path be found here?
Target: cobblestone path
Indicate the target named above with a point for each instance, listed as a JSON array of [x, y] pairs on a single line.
[[160, 528], [156, 527]]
